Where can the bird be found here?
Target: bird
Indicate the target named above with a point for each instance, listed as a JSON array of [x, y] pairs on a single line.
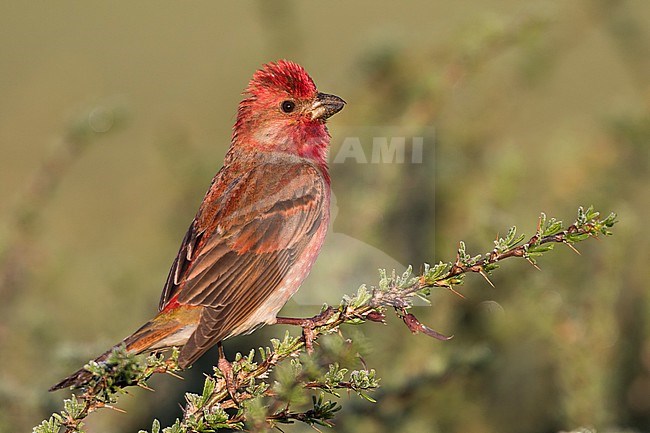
[[259, 228]]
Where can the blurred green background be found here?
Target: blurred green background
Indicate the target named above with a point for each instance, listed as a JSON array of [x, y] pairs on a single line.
[[115, 115]]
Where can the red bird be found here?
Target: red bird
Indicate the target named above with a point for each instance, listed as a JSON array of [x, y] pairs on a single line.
[[259, 228]]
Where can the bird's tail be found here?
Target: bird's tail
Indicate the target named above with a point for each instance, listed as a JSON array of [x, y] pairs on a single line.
[[164, 330]]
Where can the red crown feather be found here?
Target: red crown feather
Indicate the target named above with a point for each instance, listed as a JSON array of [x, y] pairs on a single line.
[[282, 75]]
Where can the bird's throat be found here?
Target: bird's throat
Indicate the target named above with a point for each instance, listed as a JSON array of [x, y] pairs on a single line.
[[308, 139]]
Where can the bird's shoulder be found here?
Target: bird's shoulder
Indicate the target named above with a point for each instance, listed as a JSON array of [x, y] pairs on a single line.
[[255, 183]]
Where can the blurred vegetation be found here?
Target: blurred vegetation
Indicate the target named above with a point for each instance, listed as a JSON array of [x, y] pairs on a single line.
[[534, 107]]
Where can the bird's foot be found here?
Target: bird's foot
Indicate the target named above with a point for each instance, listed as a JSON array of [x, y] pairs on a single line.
[[308, 325]]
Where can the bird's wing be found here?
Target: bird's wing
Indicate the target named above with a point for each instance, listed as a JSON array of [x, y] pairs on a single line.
[[246, 236]]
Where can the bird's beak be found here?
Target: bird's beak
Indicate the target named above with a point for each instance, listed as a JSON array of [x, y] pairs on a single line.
[[326, 106]]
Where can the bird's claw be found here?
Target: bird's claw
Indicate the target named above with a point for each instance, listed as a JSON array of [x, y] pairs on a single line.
[[308, 325]]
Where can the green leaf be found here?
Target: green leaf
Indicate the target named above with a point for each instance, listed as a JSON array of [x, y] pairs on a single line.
[[367, 397], [208, 388], [406, 279], [51, 425], [73, 407], [576, 237], [433, 274], [364, 380], [216, 417], [363, 295], [554, 227], [539, 249], [384, 281], [610, 220], [175, 428]]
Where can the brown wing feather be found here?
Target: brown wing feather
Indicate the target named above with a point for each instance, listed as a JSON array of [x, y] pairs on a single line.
[[216, 198], [241, 245], [217, 323]]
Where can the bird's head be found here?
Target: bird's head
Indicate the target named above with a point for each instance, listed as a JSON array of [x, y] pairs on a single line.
[[284, 112]]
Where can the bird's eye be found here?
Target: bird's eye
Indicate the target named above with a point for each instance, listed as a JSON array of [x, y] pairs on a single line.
[[288, 106]]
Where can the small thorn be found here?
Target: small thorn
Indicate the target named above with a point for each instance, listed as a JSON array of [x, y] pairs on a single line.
[[171, 373], [363, 361], [533, 264], [484, 275], [573, 248], [116, 409], [144, 386], [455, 292]]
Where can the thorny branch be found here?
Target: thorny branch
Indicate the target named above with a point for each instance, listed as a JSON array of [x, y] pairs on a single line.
[[218, 408]]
